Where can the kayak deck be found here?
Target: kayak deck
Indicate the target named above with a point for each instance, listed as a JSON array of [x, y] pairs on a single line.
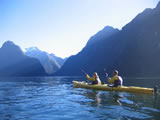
[[105, 87]]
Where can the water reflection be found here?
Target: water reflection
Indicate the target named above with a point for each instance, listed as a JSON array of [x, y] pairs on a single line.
[[156, 101], [117, 98], [55, 98], [95, 96], [123, 105]]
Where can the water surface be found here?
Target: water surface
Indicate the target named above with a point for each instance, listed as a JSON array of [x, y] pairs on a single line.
[[54, 98]]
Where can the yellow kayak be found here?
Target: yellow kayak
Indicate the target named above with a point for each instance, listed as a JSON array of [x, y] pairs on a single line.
[[105, 87]]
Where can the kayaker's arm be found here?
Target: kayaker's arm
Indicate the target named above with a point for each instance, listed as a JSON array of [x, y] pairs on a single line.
[[90, 78], [111, 80]]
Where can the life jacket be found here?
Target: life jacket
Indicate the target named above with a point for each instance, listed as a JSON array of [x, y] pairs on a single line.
[[118, 82], [97, 81]]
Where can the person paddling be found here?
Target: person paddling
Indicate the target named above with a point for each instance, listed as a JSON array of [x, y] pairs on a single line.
[[95, 78], [115, 80]]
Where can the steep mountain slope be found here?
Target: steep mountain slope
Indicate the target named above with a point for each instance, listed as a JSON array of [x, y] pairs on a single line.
[[88, 58], [50, 62], [13, 62], [134, 51], [59, 60]]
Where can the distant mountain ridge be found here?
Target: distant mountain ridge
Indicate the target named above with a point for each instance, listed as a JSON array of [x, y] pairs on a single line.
[[13, 62], [102, 35], [134, 50], [50, 62]]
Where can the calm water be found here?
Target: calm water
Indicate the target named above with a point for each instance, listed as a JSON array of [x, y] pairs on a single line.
[[54, 98]]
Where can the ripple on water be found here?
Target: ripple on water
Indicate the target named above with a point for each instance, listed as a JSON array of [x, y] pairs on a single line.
[[55, 98]]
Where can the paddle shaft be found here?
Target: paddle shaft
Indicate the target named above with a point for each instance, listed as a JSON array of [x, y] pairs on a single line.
[[83, 71], [106, 73]]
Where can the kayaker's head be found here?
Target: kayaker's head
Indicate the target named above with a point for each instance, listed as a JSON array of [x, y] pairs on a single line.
[[115, 72], [95, 74]]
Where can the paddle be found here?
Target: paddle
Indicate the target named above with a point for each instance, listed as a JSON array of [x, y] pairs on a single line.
[[84, 73], [107, 76], [106, 73]]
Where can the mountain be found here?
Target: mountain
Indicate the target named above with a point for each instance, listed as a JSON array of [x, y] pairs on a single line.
[[134, 50], [102, 35], [13, 62], [87, 58], [50, 62], [59, 60]]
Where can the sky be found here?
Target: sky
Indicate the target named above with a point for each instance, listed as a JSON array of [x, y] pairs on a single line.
[[63, 27]]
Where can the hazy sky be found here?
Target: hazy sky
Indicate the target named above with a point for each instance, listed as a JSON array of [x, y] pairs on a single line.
[[63, 27]]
